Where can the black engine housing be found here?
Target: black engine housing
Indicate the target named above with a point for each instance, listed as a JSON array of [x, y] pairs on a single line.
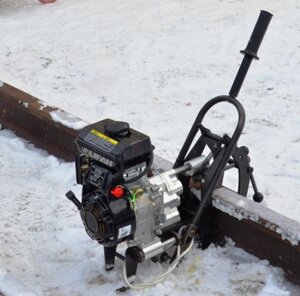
[[107, 220], [107, 149]]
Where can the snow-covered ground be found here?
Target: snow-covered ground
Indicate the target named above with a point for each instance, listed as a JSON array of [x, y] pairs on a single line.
[[154, 64]]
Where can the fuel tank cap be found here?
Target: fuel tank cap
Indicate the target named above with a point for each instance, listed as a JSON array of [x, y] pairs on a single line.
[[117, 129]]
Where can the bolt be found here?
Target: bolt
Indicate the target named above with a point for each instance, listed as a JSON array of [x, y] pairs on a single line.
[[158, 232], [154, 188], [192, 233]]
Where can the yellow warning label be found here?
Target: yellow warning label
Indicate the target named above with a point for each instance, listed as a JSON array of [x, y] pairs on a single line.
[[102, 136]]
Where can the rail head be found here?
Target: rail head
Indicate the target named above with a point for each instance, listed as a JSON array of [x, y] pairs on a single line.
[[242, 208]]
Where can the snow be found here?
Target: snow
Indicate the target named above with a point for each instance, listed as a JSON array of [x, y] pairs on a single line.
[[67, 119], [154, 64], [11, 286]]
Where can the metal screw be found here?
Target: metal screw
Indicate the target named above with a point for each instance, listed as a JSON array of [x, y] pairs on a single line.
[[154, 188], [192, 233], [158, 232]]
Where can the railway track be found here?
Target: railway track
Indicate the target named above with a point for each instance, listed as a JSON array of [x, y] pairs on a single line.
[[258, 230]]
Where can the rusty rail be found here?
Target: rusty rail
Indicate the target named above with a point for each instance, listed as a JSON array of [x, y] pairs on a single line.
[[43, 125], [258, 230]]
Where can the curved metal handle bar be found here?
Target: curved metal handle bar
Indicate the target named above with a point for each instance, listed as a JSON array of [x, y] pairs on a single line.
[[207, 193], [238, 130]]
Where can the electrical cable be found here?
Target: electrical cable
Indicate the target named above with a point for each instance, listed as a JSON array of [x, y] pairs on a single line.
[[161, 277]]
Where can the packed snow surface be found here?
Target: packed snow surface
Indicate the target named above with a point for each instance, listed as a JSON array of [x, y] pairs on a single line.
[[153, 64]]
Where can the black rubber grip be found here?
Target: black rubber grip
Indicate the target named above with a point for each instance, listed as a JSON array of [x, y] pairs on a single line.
[[258, 33], [251, 51]]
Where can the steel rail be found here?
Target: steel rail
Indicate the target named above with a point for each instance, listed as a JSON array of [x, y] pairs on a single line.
[[43, 125], [258, 230]]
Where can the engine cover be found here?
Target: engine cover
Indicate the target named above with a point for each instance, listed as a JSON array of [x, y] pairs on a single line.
[[109, 221]]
